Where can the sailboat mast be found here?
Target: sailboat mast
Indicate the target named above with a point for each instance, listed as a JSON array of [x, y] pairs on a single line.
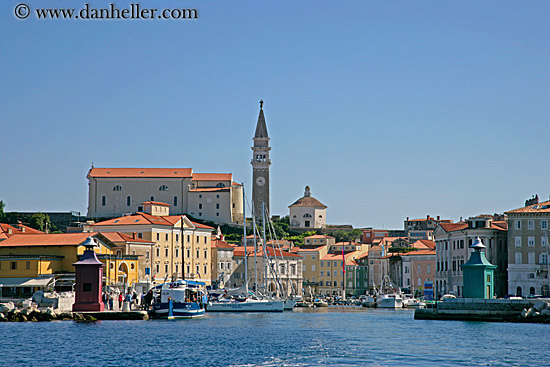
[[255, 251], [182, 250], [244, 239], [264, 245]]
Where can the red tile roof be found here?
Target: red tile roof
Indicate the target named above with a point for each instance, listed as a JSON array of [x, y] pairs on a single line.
[[450, 227], [420, 252], [312, 249], [308, 201], [5, 230], [319, 236], [216, 243], [62, 239], [144, 218], [118, 237], [543, 207], [140, 172], [212, 177], [500, 224], [156, 203], [239, 251]]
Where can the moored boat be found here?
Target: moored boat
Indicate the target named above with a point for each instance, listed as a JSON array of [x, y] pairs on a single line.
[[179, 300], [237, 304], [392, 300]]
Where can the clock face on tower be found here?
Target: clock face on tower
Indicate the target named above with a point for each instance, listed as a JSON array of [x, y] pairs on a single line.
[[260, 181]]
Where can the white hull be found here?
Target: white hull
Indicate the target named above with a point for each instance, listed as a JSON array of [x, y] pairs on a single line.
[[246, 306], [289, 304], [390, 301]]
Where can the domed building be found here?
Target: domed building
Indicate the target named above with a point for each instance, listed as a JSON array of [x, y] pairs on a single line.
[[308, 213]]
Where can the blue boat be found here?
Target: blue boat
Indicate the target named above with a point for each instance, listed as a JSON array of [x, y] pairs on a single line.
[[179, 300]]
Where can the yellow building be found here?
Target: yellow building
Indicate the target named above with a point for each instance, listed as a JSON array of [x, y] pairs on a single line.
[[179, 248], [38, 261]]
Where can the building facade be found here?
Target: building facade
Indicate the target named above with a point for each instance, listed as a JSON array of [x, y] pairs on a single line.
[[418, 268], [223, 263], [453, 242], [115, 192], [181, 250], [260, 168], [308, 213], [528, 255], [423, 228]]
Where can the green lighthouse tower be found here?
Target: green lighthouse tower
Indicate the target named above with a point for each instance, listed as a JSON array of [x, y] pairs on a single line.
[[478, 274]]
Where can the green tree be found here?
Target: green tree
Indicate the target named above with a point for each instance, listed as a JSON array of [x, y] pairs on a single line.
[[40, 221], [2, 214]]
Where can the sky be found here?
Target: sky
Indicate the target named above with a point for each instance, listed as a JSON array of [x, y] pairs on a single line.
[[386, 109]]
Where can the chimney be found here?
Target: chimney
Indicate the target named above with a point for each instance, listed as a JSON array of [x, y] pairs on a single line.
[[10, 231], [134, 235], [428, 217], [407, 218]]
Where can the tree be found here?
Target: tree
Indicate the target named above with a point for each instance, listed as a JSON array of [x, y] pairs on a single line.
[[2, 206], [40, 221]]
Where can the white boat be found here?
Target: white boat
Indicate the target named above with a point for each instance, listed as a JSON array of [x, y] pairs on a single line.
[[369, 301], [245, 305], [392, 300], [179, 300], [289, 304], [414, 303]]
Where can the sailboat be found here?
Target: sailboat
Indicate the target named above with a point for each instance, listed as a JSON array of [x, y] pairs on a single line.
[[241, 299]]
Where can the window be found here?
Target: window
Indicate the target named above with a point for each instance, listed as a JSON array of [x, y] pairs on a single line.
[[517, 241], [419, 282], [200, 214], [217, 214], [335, 283], [205, 269], [205, 239], [152, 198], [158, 236], [28, 265], [188, 238], [322, 273], [175, 201], [177, 268], [166, 268], [177, 237], [328, 273], [307, 215], [428, 269], [158, 268], [200, 196], [163, 188], [313, 267], [543, 259], [419, 269], [198, 253], [406, 269], [206, 254], [221, 184], [166, 236], [217, 196], [188, 253], [198, 269], [117, 188], [518, 258], [146, 254], [158, 252], [197, 240], [103, 201], [321, 283], [531, 241], [518, 224], [200, 206], [140, 235], [543, 241], [531, 258], [530, 224], [543, 224], [217, 206], [166, 252], [322, 264]]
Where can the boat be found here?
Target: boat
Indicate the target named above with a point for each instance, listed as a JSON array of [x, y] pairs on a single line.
[[392, 300], [289, 304], [320, 303], [179, 300], [369, 301], [242, 304]]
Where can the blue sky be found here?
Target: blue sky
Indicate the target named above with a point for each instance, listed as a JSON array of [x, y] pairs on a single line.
[[386, 109]]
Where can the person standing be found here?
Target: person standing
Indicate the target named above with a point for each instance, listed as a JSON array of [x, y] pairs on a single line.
[[120, 299], [111, 301], [105, 299]]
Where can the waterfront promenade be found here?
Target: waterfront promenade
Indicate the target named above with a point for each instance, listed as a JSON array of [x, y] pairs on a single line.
[[333, 336]]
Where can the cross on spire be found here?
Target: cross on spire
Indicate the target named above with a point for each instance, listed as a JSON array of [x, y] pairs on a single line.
[[261, 104]]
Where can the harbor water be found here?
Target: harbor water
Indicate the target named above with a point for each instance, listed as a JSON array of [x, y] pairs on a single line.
[[333, 336]]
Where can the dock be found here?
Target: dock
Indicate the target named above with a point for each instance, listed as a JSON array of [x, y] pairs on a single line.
[[494, 310]]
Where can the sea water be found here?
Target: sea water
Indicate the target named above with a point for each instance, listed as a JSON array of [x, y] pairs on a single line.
[[333, 336]]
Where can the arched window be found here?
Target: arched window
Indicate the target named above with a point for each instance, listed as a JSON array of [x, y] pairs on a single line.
[[163, 188], [307, 215], [220, 184], [320, 216], [532, 291], [518, 291], [117, 188]]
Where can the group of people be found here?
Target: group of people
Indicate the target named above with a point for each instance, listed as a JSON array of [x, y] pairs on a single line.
[[110, 299]]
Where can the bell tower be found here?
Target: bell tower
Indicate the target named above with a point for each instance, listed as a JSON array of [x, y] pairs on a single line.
[[260, 166]]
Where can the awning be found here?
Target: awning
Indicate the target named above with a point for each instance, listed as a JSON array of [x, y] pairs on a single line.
[[26, 282]]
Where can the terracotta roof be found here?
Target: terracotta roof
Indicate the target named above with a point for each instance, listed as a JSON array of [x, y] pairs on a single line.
[[212, 177], [543, 207], [319, 236], [140, 172], [312, 249], [347, 243], [239, 251], [235, 183], [430, 244], [500, 224], [308, 201], [419, 252], [423, 244], [216, 243], [338, 256], [450, 227], [156, 203], [16, 229], [210, 189], [118, 237], [62, 239], [143, 218]]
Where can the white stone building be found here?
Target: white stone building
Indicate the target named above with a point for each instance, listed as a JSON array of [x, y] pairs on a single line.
[[528, 234], [114, 192], [308, 213]]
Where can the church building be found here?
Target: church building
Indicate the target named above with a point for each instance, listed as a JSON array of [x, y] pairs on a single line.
[[308, 213], [260, 168]]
